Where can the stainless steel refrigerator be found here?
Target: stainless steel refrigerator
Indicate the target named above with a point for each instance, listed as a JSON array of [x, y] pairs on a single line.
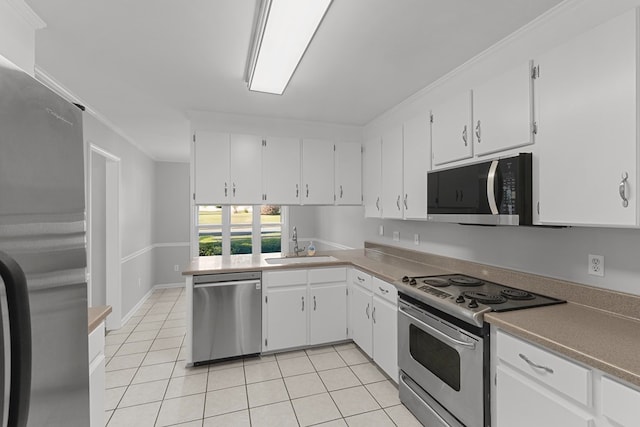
[[42, 234]]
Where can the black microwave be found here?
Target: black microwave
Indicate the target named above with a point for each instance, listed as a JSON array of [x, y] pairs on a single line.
[[496, 192]]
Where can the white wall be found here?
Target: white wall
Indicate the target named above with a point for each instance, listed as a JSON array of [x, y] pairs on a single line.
[[171, 212]]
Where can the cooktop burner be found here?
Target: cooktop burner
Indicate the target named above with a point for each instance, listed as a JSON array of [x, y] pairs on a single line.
[[468, 298], [484, 298]]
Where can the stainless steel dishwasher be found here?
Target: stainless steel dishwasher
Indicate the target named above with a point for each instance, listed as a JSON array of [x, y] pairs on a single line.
[[227, 315]]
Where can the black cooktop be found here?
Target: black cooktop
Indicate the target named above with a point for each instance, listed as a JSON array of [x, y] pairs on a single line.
[[467, 293]]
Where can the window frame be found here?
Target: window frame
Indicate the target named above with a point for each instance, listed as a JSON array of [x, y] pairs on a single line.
[[226, 226]]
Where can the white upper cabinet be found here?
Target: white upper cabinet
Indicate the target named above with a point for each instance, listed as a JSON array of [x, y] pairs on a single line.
[[281, 171], [416, 152], [451, 130], [317, 172], [587, 96], [348, 173], [227, 168], [372, 175], [211, 164], [502, 111], [245, 153], [392, 195]]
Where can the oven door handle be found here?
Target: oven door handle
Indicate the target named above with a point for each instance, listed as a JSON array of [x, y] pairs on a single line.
[[438, 332]]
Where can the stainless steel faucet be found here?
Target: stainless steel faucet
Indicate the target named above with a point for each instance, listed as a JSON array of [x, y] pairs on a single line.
[[296, 249]]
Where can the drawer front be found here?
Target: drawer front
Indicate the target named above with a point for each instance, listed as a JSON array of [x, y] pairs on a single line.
[[620, 403], [327, 275], [361, 279], [552, 370], [96, 342], [385, 290], [274, 279]]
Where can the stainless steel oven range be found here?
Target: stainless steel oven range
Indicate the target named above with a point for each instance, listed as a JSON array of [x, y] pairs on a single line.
[[443, 345]]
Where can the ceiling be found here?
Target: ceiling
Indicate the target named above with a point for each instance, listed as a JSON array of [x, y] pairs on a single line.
[[144, 64]]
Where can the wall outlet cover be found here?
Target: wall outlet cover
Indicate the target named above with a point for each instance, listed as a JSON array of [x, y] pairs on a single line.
[[596, 265], [381, 230], [416, 239], [396, 236]]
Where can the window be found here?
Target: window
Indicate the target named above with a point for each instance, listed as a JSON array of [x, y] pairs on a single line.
[[233, 230]]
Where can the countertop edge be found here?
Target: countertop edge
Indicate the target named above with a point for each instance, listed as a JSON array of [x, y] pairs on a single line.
[[96, 315]]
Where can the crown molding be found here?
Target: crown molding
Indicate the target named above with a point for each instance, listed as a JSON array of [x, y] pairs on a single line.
[[25, 11]]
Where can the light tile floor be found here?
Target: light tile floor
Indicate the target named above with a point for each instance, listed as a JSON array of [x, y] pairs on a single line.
[[147, 383]]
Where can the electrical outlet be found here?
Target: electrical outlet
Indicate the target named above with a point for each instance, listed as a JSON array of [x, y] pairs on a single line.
[[596, 265], [176, 267], [396, 236], [416, 239], [139, 282], [381, 230]]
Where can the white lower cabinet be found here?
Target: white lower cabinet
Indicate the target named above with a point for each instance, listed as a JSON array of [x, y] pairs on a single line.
[[303, 307], [534, 387], [524, 403], [96, 376], [373, 320]]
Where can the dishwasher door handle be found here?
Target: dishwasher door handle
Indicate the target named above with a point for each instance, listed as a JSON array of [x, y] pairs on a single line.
[[231, 283]]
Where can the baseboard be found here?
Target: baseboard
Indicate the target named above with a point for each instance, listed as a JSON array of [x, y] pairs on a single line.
[[168, 285], [135, 308]]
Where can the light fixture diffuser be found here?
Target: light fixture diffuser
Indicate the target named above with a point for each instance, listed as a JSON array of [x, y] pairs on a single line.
[[282, 34]]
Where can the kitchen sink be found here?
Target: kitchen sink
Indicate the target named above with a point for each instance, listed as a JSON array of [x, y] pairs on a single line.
[[300, 260]]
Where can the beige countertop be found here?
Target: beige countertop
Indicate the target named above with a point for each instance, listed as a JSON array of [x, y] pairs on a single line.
[[597, 327], [594, 337], [96, 315]]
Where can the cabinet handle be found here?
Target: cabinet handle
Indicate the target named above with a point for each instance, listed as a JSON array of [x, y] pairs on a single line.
[[544, 368], [383, 290], [378, 203], [405, 202], [341, 192], [622, 188], [398, 202], [373, 315], [225, 189], [314, 303], [297, 191], [302, 303], [464, 135], [478, 131], [366, 310], [307, 190], [234, 189]]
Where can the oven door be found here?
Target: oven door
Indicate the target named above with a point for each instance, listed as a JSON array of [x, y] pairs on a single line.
[[445, 361]]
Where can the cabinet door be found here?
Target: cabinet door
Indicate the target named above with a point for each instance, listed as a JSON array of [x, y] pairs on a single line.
[[620, 403], [317, 172], [417, 162], [372, 185], [211, 168], [587, 127], [246, 169], [286, 318], [328, 313], [451, 131], [348, 182], [502, 111], [385, 336], [360, 325], [520, 402], [281, 171], [392, 173]]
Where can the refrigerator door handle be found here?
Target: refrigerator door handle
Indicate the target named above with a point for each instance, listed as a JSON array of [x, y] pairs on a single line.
[[20, 330]]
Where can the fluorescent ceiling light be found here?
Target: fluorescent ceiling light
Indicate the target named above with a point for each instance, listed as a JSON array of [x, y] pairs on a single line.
[[281, 36]]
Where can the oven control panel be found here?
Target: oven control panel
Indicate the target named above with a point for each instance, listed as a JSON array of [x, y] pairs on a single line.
[[435, 292]]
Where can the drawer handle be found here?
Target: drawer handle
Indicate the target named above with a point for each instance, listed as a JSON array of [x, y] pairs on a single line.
[[383, 290], [535, 365], [360, 279]]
